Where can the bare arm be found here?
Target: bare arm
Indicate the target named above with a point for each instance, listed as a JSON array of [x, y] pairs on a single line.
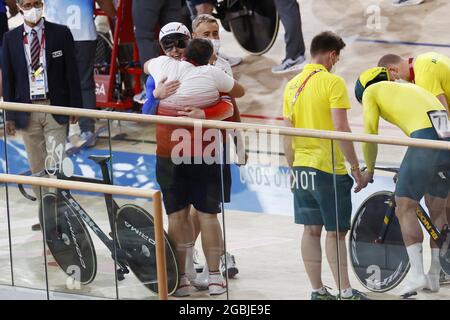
[[237, 91], [340, 122], [443, 99], [288, 144], [108, 7]]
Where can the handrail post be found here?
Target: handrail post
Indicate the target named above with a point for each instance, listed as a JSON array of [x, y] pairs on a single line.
[[161, 269]]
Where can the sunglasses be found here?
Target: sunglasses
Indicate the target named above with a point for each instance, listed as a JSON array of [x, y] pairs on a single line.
[[168, 45]]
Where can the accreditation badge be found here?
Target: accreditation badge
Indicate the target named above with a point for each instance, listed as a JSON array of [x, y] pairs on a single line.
[[37, 85]]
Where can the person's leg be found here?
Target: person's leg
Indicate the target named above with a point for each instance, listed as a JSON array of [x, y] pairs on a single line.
[[289, 12], [170, 12], [190, 259], [180, 234], [413, 238], [311, 252], [35, 146], [212, 241], [34, 141], [146, 17], [338, 266], [85, 56], [213, 248], [436, 207], [204, 7]]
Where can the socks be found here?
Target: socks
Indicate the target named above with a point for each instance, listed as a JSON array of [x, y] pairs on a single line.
[[435, 267], [416, 259]]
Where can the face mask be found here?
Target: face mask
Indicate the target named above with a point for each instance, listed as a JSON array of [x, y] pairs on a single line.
[[33, 15], [216, 45]]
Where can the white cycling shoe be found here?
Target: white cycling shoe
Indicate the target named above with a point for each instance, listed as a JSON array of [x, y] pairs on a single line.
[[413, 284]]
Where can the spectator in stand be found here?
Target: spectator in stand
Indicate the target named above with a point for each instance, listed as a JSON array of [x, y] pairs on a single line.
[[78, 16], [39, 67], [199, 7]]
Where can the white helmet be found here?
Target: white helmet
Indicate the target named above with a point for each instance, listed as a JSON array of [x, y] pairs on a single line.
[[174, 28]]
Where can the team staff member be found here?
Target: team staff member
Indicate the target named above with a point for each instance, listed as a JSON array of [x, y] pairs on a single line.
[[318, 99], [39, 67], [407, 106], [78, 16], [430, 71]]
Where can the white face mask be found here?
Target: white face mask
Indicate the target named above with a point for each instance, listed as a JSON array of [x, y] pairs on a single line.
[[33, 15], [216, 45]]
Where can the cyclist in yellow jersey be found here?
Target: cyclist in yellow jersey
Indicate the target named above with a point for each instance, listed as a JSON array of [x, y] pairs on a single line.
[[430, 71], [318, 99], [409, 107]]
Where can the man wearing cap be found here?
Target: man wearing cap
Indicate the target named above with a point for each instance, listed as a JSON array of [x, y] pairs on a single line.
[[411, 108]]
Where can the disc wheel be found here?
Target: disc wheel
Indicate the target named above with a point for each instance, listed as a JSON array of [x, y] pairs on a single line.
[[135, 234], [378, 266], [68, 239], [254, 24]]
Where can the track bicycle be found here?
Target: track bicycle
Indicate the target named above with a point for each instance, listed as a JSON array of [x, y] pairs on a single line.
[[254, 23], [132, 227], [377, 252]]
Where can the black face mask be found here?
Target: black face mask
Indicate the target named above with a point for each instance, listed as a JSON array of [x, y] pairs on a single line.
[[169, 43]]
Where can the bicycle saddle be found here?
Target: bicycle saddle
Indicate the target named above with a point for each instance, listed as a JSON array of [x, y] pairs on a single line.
[[99, 159]]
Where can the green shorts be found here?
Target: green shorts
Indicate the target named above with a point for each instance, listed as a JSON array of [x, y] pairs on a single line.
[[420, 168], [314, 199]]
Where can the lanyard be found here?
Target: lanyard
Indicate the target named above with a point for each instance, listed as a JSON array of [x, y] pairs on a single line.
[[303, 86], [412, 75], [41, 54]]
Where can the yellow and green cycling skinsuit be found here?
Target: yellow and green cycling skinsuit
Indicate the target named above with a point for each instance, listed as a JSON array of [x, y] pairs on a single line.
[[406, 106], [432, 72]]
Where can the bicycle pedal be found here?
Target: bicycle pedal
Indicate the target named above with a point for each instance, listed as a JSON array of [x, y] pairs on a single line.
[[409, 295]]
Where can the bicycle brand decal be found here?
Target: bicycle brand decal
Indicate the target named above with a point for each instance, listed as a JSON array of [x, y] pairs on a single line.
[[139, 233], [74, 237]]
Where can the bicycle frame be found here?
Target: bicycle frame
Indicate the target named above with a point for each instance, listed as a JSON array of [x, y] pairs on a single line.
[[438, 237], [111, 207]]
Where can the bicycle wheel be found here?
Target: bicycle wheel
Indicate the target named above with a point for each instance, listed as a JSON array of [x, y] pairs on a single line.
[[254, 24], [135, 234], [378, 266], [68, 239]]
